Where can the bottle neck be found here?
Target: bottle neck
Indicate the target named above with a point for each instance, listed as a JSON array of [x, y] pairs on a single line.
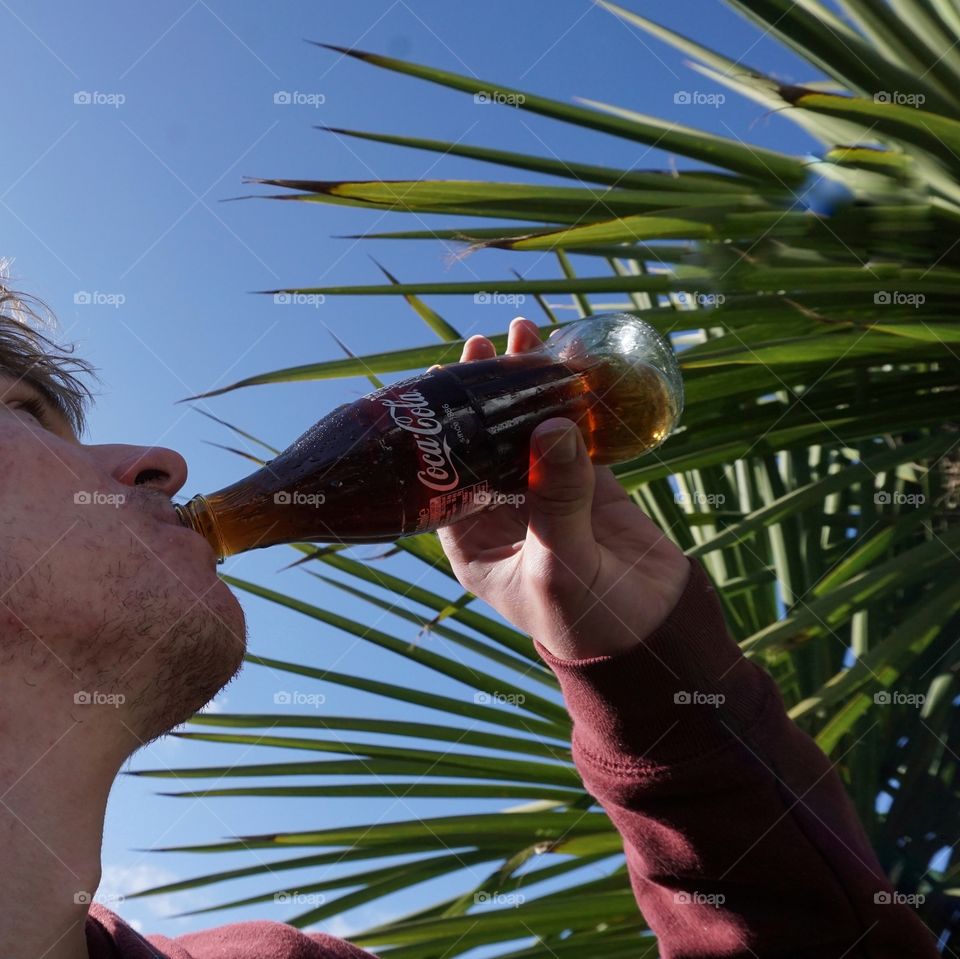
[[197, 515]]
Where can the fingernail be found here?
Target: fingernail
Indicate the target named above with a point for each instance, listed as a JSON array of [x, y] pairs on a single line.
[[558, 445]]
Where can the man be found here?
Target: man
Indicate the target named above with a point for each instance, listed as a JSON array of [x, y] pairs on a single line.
[[739, 838]]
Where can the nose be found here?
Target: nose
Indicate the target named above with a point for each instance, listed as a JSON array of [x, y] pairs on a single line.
[[156, 466]]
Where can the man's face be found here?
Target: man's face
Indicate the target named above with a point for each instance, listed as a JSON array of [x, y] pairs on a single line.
[[102, 591]]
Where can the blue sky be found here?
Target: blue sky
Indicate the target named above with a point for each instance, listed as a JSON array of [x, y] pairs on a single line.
[[113, 212]]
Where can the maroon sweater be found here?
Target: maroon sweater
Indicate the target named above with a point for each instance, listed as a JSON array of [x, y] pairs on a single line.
[[739, 838]]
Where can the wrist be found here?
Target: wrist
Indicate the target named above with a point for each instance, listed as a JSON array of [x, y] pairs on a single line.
[[683, 690], [575, 646], [589, 636]]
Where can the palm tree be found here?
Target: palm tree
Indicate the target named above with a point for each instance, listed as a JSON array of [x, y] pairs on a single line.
[[815, 475]]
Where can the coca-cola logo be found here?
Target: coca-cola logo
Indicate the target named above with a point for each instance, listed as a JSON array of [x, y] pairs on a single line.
[[411, 413]]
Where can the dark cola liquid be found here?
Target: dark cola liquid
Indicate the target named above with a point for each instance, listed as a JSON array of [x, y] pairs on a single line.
[[433, 449]]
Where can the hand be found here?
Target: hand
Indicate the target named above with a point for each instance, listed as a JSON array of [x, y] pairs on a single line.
[[579, 566]]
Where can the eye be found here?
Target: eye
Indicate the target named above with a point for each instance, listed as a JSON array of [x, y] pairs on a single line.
[[34, 407]]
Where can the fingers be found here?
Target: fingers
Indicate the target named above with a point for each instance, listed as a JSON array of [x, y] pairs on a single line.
[[477, 348], [522, 336], [560, 495]]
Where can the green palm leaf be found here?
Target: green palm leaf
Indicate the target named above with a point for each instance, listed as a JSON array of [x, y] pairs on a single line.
[[816, 474]]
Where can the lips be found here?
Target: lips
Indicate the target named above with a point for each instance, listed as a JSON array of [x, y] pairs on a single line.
[[168, 518], [171, 516]]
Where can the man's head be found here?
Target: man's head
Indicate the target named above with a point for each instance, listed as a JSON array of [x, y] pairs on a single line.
[[111, 613]]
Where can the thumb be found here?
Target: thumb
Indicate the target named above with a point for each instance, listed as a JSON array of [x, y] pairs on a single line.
[[560, 492]]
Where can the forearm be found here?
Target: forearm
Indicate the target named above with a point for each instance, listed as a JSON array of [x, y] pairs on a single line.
[[738, 833]]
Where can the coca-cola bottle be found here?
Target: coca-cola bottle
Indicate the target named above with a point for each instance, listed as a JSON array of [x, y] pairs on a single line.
[[440, 446]]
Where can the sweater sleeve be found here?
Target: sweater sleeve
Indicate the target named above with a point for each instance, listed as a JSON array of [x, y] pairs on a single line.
[[739, 837], [109, 937], [261, 939]]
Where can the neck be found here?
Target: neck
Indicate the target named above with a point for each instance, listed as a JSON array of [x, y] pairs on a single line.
[[55, 778]]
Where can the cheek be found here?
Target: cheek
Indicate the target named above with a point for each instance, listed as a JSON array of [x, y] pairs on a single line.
[[60, 568], [40, 477], [50, 623], [87, 602]]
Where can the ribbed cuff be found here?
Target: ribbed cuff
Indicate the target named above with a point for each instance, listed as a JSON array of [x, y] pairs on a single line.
[[682, 691]]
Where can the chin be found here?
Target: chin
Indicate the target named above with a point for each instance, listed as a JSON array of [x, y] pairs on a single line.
[[195, 660], [233, 626]]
